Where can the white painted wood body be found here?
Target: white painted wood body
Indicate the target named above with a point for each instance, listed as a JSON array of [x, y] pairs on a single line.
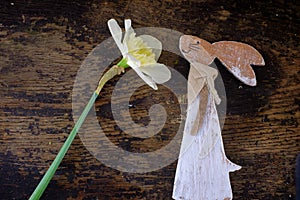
[[203, 169]]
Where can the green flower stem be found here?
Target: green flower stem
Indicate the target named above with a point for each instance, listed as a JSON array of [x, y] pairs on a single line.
[[123, 63], [39, 190]]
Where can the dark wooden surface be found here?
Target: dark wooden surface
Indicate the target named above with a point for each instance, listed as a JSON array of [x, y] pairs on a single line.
[[42, 46]]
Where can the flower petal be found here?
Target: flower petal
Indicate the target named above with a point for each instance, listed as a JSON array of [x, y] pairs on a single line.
[[134, 64], [158, 72], [152, 43], [116, 33], [146, 78], [127, 24], [128, 32]]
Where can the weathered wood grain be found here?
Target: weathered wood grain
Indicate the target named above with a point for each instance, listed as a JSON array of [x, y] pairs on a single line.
[[42, 45]]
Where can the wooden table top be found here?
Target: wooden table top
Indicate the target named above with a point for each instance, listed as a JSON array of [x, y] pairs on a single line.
[[42, 46]]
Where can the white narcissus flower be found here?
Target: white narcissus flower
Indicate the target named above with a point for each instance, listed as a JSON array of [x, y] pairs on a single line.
[[140, 53]]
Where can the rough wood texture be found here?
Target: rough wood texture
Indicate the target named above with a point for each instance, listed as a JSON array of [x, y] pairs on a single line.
[[203, 169], [42, 46]]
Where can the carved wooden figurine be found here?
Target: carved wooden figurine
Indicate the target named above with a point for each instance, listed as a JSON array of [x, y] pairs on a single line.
[[203, 168]]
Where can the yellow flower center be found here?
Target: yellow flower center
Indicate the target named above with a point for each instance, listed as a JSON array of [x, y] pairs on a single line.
[[139, 49]]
